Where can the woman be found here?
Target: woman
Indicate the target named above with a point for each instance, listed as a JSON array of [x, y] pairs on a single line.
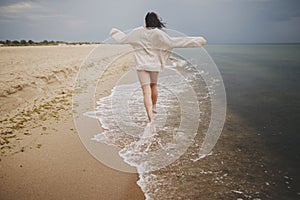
[[152, 48]]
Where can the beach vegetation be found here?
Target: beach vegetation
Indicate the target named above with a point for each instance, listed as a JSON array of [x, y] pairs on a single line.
[[41, 43]]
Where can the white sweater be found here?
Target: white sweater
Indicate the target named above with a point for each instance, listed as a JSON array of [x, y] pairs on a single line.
[[153, 46]]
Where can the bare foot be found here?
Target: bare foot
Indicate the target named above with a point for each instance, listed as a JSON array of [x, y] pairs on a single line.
[[153, 128], [149, 130]]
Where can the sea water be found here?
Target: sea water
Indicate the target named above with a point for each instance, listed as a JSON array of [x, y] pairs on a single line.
[[262, 85]]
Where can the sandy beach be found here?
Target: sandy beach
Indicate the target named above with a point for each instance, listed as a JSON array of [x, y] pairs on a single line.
[[42, 156]]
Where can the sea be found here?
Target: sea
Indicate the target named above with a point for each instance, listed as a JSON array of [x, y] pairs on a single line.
[[261, 84]]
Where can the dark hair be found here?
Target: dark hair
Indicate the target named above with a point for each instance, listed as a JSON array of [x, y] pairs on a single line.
[[152, 21]]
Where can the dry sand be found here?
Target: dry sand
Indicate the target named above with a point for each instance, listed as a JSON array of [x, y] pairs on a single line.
[[42, 156]]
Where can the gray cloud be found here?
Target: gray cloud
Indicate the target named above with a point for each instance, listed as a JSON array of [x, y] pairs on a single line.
[[91, 20]]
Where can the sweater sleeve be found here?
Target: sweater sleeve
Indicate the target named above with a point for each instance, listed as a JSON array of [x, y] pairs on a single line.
[[123, 38], [181, 42], [119, 36]]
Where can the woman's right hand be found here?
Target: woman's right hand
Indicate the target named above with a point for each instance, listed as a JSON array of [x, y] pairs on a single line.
[[203, 41]]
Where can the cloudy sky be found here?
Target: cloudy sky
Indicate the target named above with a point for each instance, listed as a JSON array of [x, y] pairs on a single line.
[[219, 21]]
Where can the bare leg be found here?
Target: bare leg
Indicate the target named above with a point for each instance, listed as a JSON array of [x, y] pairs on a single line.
[[148, 82], [147, 101], [154, 95]]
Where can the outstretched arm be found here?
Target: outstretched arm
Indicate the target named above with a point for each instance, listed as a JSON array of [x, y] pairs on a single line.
[[123, 38], [180, 42], [118, 36]]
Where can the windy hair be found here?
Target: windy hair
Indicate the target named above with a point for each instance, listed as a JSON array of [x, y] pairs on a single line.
[[152, 21]]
